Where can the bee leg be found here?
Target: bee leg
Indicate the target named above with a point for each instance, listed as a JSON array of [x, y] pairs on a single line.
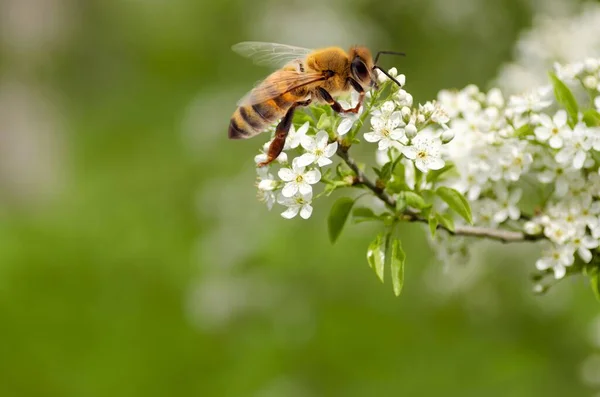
[[281, 131], [335, 105]]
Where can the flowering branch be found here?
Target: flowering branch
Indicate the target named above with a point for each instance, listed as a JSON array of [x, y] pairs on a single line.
[[505, 236], [460, 165]]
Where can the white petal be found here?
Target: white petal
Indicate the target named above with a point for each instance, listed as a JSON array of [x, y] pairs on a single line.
[[267, 184], [384, 144], [500, 216], [420, 164], [560, 118], [559, 271], [308, 143], [585, 254], [546, 176], [542, 264], [260, 158], [546, 121], [562, 186], [331, 149], [555, 142], [589, 242], [289, 189], [290, 213], [515, 196], [321, 139], [410, 152], [345, 126], [306, 211], [372, 137], [286, 174], [303, 129], [304, 188], [435, 163], [563, 156], [542, 133], [306, 159], [514, 213], [579, 159], [312, 176], [323, 161]]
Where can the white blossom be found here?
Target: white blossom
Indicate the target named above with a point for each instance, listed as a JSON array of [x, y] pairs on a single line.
[[348, 119], [508, 207], [557, 258], [299, 203], [298, 179], [387, 132], [554, 130], [425, 151], [576, 148], [294, 137], [317, 150], [262, 157]]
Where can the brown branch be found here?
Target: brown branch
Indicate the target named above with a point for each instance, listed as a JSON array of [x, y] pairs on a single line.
[[505, 236]]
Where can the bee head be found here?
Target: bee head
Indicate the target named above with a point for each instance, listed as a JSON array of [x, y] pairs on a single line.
[[362, 67]]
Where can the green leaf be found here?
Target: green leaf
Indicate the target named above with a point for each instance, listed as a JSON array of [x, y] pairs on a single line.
[[397, 266], [524, 131], [386, 171], [591, 117], [446, 221], [565, 98], [324, 122], [414, 200], [376, 255], [337, 217], [434, 175], [456, 201], [433, 224], [400, 204], [364, 214]]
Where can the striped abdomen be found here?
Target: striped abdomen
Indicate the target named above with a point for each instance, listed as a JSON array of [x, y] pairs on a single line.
[[250, 120]]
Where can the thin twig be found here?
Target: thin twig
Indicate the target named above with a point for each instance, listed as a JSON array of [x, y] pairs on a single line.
[[505, 236]]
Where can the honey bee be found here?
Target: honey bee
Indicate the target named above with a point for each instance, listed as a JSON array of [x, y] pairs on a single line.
[[302, 76]]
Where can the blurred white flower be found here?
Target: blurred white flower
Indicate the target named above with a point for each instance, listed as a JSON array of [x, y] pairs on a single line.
[[557, 258], [299, 203], [317, 150], [597, 103], [298, 180], [425, 151], [386, 131], [583, 244], [554, 130], [576, 149], [508, 207]]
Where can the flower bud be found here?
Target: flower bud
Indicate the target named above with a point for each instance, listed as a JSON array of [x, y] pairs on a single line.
[[411, 131], [532, 228], [590, 82], [447, 136]]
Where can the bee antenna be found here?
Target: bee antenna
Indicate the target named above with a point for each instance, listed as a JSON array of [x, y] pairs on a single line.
[[388, 52], [387, 74]]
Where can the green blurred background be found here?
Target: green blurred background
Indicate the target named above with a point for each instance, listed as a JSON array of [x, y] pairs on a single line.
[[135, 259]]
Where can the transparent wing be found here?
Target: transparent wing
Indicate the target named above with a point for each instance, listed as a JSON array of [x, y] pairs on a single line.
[[278, 83], [270, 54]]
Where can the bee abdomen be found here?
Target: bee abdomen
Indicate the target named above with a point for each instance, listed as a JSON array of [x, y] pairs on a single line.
[[248, 121]]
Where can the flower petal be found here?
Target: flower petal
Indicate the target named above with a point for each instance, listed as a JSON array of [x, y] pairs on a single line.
[[331, 149], [289, 189], [286, 174], [435, 163], [579, 159], [321, 139], [559, 271], [308, 143], [372, 137], [410, 152], [312, 176], [555, 142], [560, 118], [290, 213], [345, 126], [542, 133], [304, 188], [323, 161], [306, 211], [306, 159]]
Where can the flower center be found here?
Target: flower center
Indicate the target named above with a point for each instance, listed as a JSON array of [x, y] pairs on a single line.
[[318, 152], [422, 154], [555, 256], [299, 178], [554, 131], [385, 132]]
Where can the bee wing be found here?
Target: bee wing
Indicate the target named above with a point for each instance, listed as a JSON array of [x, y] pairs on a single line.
[[277, 84], [270, 54]]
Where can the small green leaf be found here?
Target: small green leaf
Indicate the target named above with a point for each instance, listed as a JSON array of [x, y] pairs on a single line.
[[433, 224], [456, 201], [397, 266], [364, 214], [414, 200], [337, 217], [591, 117], [446, 221], [565, 98], [376, 256], [324, 122], [524, 131], [386, 171], [377, 171], [434, 175], [400, 204]]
